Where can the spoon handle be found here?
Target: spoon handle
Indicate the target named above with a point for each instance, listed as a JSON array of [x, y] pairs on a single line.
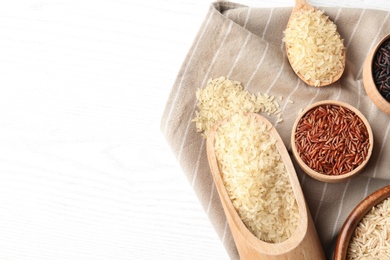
[[300, 3]]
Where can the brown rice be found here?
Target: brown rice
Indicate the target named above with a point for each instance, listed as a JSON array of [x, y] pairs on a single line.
[[371, 238]]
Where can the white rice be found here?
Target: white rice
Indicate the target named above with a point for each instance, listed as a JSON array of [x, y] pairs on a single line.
[[222, 98], [256, 179], [314, 46]]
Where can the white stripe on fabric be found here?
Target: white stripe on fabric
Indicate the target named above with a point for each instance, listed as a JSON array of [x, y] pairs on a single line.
[[224, 232], [321, 201], [315, 96], [204, 79], [211, 198], [372, 111], [340, 207], [280, 70], [265, 52], [257, 67], [355, 28], [303, 178], [267, 24], [340, 87], [239, 54], [359, 95], [366, 189], [216, 55], [243, 46], [337, 15], [384, 143], [350, 40], [227, 14], [288, 97], [184, 73], [197, 164], [247, 16], [284, 60]]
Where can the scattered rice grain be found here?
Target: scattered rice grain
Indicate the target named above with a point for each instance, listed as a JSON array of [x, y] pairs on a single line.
[[222, 98]]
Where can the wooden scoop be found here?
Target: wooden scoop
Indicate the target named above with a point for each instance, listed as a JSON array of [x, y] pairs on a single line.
[[299, 6], [304, 242]]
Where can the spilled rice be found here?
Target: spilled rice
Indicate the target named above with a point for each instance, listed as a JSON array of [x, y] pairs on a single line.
[[222, 98]]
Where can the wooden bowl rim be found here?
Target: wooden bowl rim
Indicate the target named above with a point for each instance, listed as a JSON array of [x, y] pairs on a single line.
[[355, 217], [321, 176], [368, 79]]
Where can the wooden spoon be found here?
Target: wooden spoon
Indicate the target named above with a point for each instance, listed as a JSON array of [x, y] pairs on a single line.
[[303, 5], [304, 242]]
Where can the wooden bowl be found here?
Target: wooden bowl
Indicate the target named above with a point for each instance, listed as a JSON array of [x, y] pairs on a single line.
[[368, 80], [304, 242], [322, 176], [354, 218]]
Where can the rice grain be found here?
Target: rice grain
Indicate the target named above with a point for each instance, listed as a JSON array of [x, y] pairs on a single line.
[[314, 46], [222, 98], [371, 238]]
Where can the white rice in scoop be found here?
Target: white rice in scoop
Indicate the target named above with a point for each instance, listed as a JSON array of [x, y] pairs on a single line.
[[256, 179]]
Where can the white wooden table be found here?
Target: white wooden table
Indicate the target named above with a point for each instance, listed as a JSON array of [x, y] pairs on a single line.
[[85, 172]]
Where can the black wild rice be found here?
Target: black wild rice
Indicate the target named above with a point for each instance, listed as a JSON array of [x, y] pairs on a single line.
[[381, 69]]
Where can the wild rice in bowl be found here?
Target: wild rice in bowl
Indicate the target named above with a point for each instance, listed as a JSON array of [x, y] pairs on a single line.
[[371, 239], [256, 178]]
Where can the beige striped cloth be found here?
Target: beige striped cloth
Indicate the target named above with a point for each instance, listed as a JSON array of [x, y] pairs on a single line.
[[245, 44]]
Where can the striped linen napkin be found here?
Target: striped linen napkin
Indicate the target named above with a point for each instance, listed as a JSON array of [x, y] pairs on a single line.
[[245, 44]]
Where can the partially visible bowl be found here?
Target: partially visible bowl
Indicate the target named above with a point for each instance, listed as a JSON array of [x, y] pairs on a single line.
[[354, 218], [369, 79], [331, 160]]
